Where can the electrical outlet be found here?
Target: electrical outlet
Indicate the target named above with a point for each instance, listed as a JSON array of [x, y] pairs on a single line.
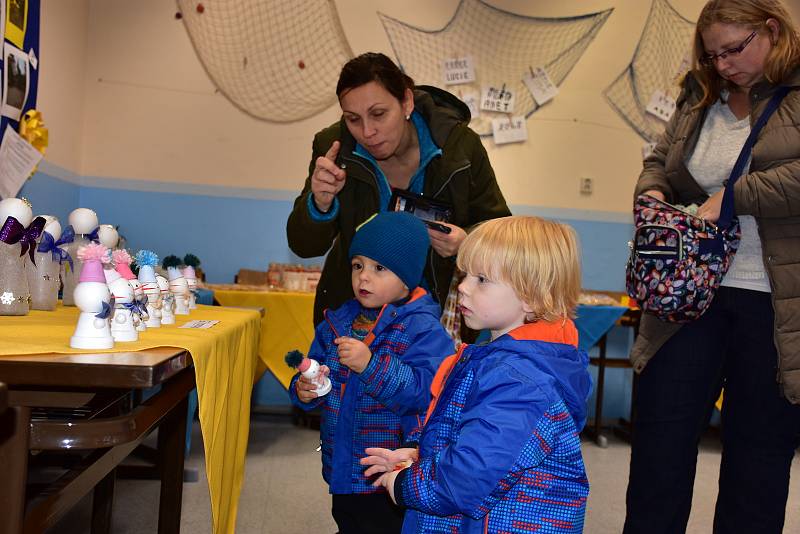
[[587, 185]]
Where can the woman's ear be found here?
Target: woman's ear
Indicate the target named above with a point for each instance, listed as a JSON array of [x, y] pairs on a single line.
[[774, 28], [408, 102]]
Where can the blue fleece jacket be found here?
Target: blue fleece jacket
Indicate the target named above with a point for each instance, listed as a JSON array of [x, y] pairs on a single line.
[[500, 451], [381, 405]]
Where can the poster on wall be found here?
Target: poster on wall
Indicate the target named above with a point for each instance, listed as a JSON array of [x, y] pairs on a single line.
[[2, 19], [15, 81], [16, 18], [18, 159]]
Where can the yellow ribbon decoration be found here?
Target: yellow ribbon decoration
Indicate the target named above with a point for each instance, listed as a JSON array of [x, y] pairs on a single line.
[[31, 128]]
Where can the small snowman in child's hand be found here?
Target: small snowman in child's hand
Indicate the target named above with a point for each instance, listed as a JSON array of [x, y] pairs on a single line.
[[313, 381]]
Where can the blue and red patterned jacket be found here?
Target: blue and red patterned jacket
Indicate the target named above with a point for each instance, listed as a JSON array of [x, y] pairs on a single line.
[[500, 450], [381, 405]]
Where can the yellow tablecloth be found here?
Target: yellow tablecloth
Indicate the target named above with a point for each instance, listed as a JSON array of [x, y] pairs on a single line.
[[225, 358], [287, 324]]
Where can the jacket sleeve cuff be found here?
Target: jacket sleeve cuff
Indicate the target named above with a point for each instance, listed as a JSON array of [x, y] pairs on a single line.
[[319, 216], [398, 488]]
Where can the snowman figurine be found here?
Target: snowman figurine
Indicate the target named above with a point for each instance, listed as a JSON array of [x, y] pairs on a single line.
[[83, 230], [92, 297], [167, 301], [125, 312], [108, 236], [191, 261], [18, 234], [177, 284], [44, 278], [122, 263], [147, 260]]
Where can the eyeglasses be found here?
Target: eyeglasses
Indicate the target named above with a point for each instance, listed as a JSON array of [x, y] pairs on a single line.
[[709, 59]]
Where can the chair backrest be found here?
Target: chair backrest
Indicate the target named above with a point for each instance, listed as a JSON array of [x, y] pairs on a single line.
[[252, 278]]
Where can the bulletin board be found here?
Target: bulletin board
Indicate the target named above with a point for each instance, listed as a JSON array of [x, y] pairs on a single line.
[[20, 60]]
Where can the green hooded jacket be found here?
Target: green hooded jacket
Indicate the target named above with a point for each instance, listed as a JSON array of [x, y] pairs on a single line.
[[462, 176]]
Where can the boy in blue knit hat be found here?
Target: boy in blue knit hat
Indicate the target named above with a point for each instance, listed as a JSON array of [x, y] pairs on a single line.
[[381, 351]]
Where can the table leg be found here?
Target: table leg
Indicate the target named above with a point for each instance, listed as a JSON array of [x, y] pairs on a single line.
[[103, 504], [171, 448], [599, 438], [15, 425]]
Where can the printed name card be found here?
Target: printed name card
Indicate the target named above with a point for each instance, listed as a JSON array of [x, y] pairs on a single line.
[[199, 324], [458, 70], [497, 99], [540, 85], [473, 100], [661, 105], [509, 130]]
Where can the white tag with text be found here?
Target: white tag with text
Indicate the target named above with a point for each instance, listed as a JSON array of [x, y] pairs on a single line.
[[539, 84], [509, 130]]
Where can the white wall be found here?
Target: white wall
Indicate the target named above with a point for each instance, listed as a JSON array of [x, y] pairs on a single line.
[[151, 113], [62, 64]]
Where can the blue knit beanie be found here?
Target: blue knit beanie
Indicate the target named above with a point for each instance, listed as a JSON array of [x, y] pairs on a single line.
[[398, 241]]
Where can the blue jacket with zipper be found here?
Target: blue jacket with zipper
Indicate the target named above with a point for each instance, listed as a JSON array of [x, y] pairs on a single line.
[[381, 405], [500, 451]]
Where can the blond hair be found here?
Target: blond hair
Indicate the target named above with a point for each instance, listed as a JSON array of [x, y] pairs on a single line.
[[538, 258], [753, 14]]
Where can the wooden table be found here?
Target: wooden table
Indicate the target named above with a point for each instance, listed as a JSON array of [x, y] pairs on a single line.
[[286, 324], [594, 430], [105, 430]]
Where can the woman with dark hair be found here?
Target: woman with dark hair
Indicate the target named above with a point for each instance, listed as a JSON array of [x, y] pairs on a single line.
[[392, 136], [748, 341]]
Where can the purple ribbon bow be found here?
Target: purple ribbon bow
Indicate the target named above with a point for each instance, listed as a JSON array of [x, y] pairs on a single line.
[[92, 236], [106, 312], [142, 304], [132, 307], [67, 236], [13, 232], [48, 244]]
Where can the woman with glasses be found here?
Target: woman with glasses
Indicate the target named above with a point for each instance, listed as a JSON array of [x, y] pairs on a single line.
[[749, 339]]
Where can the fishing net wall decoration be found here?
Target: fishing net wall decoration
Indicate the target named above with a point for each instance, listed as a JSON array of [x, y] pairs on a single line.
[[277, 60], [658, 64], [504, 47]]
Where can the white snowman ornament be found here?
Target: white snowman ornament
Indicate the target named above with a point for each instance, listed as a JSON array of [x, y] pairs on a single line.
[[124, 316], [83, 224], [92, 297], [177, 284], [147, 260], [122, 263], [167, 301]]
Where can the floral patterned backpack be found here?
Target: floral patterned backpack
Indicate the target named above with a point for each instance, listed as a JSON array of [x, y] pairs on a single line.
[[677, 260]]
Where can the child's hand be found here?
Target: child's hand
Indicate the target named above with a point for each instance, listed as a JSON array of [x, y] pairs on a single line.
[[387, 481], [353, 353], [386, 460], [306, 387]]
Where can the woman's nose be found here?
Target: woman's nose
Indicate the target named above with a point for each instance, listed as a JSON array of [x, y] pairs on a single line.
[[368, 130]]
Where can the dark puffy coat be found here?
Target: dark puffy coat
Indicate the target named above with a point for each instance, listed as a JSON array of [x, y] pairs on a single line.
[[770, 192]]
